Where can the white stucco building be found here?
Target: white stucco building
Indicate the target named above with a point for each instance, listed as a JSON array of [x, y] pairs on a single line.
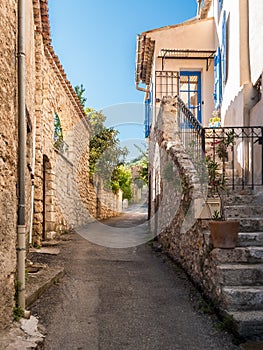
[[212, 62], [220, 51]]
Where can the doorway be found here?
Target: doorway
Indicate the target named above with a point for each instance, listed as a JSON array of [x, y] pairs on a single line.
[[190, 92]]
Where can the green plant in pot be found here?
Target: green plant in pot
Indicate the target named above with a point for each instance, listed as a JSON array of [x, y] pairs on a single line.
[[224, 233]]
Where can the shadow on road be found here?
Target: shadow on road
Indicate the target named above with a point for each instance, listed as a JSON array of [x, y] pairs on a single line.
[[129, 229]]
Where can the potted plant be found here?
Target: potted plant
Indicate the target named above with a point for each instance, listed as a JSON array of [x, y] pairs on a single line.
[[224, 233], [215, 121]]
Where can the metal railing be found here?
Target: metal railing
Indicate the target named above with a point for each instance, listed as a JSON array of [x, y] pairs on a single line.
[[241, 159], [237, 150], [166, 84], [192, 135]]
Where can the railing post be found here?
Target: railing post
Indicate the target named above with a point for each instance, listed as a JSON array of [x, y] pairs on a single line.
[[262, 157], [203, 140]]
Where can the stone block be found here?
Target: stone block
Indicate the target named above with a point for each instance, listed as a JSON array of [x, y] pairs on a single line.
[[243, 298], [241, 274]]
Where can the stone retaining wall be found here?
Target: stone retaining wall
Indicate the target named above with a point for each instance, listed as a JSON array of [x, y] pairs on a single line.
[[175, 207]]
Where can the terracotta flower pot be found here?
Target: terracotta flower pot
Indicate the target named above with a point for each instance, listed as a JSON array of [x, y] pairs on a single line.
[[224, 234]]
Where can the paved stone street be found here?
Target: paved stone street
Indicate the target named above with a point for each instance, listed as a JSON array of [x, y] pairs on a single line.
[[123, 299]]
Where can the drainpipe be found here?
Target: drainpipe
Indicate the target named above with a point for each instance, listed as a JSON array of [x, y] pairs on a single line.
[[147, 90], [21, 227], [32, 182]]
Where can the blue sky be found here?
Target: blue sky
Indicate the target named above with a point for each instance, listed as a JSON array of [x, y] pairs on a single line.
[[96, 44]]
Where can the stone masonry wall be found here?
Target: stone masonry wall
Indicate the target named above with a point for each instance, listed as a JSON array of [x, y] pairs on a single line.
[[61, 176], [58, 190], [97, 202], [175, 205], [8, 160], [61, 191]]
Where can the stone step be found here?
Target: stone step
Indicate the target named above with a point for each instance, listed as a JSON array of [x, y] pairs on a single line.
[[243, 197], [241, 298], [238, 255], [248, 239], [244, 211], [248, 324], [251, 224], [50, 243], [240, 274]]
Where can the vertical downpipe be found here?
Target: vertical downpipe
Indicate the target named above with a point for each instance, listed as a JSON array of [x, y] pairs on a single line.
[[32, 183], [21, 229]]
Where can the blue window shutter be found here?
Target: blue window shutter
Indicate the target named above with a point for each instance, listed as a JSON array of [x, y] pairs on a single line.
[[217, 79], [148, 115], [220, 5], [146, 119], [150, 109], [224, 48]]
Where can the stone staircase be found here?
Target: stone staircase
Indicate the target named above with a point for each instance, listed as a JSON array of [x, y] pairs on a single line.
[[247, 207], [240, 270]]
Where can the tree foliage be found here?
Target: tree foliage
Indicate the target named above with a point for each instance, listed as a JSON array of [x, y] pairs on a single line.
[[80, 90], [107, 157], [121, 179], [142, 162]]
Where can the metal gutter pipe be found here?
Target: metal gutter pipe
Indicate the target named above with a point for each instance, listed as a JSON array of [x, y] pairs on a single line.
[[147, 90], [21, 224], [32, 182]]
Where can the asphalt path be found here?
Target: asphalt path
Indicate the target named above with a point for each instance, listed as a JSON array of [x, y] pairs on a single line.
[[124, 299]]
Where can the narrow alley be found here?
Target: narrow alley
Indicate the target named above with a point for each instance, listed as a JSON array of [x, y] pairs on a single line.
[[123, 299]]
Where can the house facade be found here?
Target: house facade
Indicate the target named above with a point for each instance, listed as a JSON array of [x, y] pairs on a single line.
[[212, 65], [217, 54], [202, 85]]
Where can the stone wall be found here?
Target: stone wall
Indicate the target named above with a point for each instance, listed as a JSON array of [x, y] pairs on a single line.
[[64, 198], [8, 160], [177, 198], [102, 203], [57, 201], [60, 176]]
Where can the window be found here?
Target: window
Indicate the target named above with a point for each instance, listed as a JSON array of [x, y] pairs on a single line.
[[190, 92], [58, 135]]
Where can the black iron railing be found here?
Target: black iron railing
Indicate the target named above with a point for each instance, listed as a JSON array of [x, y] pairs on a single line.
[[192, 135], [239, 153]]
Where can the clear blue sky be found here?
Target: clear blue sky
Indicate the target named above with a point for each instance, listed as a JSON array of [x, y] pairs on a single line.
[[96, 42]]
